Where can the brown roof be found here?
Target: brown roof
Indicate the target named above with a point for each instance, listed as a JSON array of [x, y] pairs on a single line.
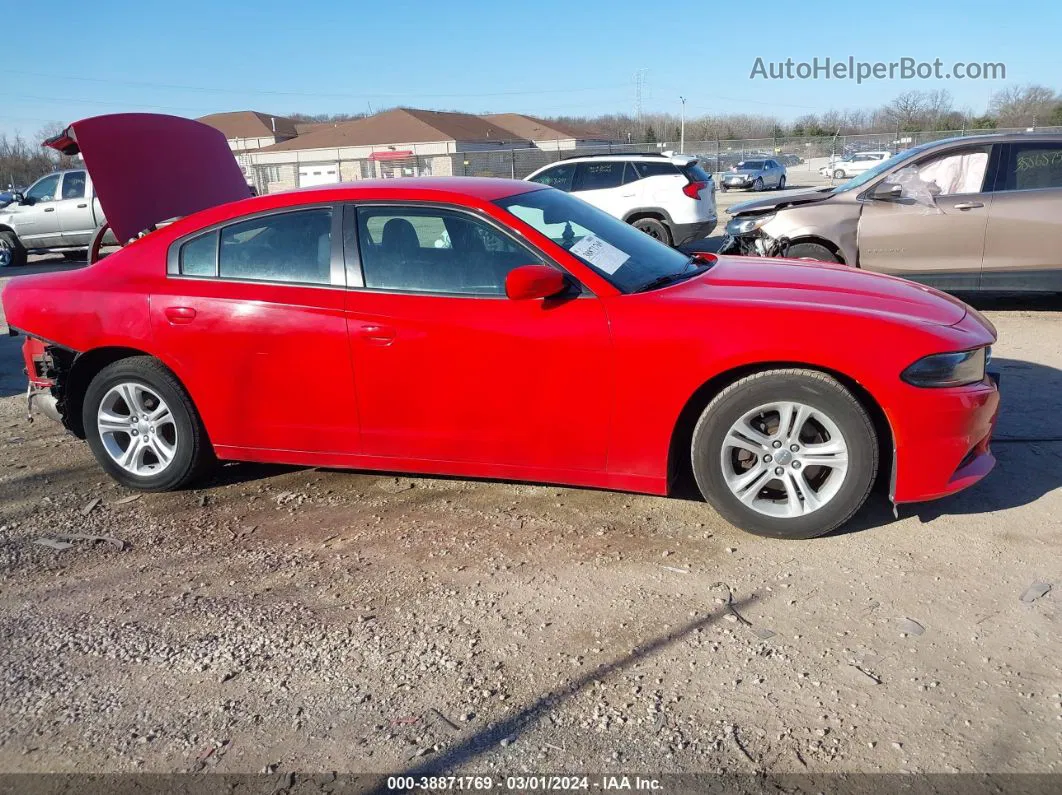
[[401, 125], [535, 129], [304, 127], [250, 124]]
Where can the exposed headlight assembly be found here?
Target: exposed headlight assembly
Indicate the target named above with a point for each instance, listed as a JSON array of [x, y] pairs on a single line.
[[742, 226], [948, 369]]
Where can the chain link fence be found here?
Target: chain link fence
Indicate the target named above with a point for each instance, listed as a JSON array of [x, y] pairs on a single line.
[[796, 153]]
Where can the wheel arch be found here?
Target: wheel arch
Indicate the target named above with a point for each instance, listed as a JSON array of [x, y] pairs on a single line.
[[659, 213], [679, 464], [78, 370], [822, 241]]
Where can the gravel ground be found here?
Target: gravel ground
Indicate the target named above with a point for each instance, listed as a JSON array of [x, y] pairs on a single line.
[[286, 619]]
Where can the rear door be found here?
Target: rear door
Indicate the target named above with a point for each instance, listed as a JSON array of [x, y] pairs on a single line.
[[37, 221], [74, 208], [251, 313], [1023, 245], [934, 232]]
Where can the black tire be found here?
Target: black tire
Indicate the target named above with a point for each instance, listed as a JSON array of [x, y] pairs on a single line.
[[781, 183], [193, 451], [654, 228], [838, 174], [74, 256], [12, 253], [812, 251], [815, 389], [757, 185], [723, 188]]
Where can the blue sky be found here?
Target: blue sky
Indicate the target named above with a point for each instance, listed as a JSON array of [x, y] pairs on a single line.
[[548, 57]]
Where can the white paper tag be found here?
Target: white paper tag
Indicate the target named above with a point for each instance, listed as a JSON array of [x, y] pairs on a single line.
[[600, 253]]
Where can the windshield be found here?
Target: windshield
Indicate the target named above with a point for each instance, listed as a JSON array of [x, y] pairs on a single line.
[[752, 165], [880, 168], [624, 256]]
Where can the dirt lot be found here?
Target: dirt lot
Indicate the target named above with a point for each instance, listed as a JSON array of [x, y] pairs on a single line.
[[300, 619]]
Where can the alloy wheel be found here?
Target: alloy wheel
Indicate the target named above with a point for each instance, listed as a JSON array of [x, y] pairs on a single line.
[[784, 459], [7, 254], [137, 429]]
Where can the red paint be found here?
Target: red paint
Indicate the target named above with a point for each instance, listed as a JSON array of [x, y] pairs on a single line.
[[583, 390], [534, 281]]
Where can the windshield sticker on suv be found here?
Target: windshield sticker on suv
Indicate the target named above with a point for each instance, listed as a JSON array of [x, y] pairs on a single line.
[[600, 254]]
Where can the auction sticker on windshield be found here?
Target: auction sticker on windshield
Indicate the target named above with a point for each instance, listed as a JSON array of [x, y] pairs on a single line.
[[600, 253]]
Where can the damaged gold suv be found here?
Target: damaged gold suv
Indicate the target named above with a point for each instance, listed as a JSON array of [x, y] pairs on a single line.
[[974, 213]]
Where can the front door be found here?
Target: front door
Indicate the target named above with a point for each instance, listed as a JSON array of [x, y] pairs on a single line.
[[934, 230], [1023, 246], [37, 222], [252, 320], [74, 208], [450, 370]]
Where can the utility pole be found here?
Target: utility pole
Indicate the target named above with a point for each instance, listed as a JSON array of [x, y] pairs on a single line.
[[682, 126]]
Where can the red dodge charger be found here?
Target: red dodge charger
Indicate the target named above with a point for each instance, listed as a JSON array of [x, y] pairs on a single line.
[[486, 328]]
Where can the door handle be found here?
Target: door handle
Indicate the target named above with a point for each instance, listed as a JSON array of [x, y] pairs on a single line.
[[968, 205], [82, 206], [49, 209], [179, 315], [380, 335]]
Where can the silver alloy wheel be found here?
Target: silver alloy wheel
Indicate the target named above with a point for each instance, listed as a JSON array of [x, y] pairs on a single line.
[[7, 254], [784, 459], [137, 429]]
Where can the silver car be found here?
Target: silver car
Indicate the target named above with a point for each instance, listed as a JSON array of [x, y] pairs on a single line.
[[758, 174]]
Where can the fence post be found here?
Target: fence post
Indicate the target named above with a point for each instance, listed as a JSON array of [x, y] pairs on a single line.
[[512, 155]]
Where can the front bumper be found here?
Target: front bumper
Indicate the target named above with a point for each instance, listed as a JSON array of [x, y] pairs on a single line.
[[943, 441], [687, 233]]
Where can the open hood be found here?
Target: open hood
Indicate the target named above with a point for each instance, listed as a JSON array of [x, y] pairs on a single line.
[[147, 167], [777, 203]]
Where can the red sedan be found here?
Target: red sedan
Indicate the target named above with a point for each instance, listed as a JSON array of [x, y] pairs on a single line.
[[487, 328]]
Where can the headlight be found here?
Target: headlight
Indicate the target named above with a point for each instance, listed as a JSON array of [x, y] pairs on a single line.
[[948, 369], [742, 226]]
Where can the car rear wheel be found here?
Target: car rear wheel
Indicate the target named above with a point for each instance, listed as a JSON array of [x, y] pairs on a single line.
[[785, 453], [11, 250], [781, 183], [142, 427], [758, 184], [811, 251], [654, 228], [838, 174]]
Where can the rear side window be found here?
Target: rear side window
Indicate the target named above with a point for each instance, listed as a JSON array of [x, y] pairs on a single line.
[[74, 185], [599, 175], [293, 247], [646, 169], [199, 256], [559, 177], [1033, 166], [694, 173]]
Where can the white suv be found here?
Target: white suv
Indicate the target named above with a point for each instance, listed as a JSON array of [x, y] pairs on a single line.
[[669, 197]]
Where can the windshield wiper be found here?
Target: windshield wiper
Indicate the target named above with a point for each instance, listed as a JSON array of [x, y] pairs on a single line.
[[671, 278]]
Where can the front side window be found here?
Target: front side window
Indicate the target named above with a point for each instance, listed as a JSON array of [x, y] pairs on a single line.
[[944, 175], [1033, 166], [599, 175], [435, 250], [559, 177], [622, 255], [43, 190], [74, 185]]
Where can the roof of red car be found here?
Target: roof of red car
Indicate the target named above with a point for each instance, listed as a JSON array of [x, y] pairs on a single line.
[[485, 188]]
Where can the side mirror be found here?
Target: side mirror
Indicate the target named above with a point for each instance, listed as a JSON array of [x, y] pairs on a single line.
[[529, 282], [18, 198], [887, 192]]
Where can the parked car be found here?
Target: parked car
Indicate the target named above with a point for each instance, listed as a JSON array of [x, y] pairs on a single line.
[[755, 175], [548, 342], [852, 164], [670, 198], [972, 213], [58, 212], [790, 160], [8, 196]]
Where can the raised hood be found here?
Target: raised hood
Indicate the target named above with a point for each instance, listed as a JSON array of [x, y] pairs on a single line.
[[148, 167], [775, 203], [829, 286]]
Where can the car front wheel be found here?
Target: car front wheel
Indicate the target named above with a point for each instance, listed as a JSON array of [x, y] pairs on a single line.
[[785, 453], [142, 427], [838, 174]]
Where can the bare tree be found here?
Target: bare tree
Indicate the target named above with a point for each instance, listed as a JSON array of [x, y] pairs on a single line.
[[1024, 106]]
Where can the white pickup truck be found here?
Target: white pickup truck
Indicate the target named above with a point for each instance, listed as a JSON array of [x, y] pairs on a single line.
[[58, 212]]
